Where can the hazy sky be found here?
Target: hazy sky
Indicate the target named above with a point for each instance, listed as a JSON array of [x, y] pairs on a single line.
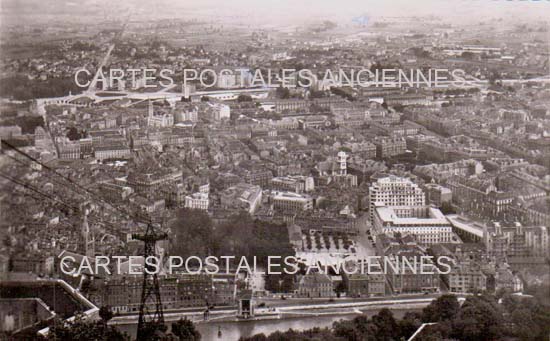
[[282, 10]]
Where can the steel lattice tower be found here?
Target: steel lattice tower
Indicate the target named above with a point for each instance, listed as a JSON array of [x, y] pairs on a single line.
[[148, 320]]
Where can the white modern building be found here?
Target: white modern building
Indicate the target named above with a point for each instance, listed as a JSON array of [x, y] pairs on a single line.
[[289, 201], [392, 191], [197, 200], [220, 111], [426, 223]]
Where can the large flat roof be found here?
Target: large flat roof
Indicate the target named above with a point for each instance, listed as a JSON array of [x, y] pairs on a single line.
[[389, 214], [55, 293]]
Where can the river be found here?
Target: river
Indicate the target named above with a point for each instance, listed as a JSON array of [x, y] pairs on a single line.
[[232, 331]]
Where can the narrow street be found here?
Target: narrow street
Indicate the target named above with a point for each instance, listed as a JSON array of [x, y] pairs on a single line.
[[365, 248]]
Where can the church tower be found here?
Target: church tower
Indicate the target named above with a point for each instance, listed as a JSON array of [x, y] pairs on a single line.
[[150, 108], [88, 237]]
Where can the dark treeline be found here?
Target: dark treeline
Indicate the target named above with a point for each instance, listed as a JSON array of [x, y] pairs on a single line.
[[481, 317], [22, 89], [195, 234], [27, 123]]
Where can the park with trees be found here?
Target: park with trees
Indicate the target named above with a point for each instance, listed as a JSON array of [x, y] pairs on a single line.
[[503, 316]]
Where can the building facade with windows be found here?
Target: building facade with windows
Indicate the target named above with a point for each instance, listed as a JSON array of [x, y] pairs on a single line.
[[426, 223], [392, 191]]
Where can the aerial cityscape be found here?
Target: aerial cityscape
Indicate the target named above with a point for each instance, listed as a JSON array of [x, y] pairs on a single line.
[[274, 170]]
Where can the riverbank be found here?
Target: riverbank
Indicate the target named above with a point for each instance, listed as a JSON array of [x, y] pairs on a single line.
[[288, 311], [232, 331]]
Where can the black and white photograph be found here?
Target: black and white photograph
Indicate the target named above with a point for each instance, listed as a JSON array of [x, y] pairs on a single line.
[[273, 170]]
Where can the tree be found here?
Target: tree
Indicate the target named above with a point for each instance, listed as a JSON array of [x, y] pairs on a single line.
[[22, 88], [419, 52], [524, 326], [282, 93], [243, 236], [279, 282], [409, 323], [478, 319], [340, 288], [257, 337], [244, 98], [305, 335], [443, 308], [193, 231], [27, 123], [345, 149], [317, 94], [105, 313], [434, 332], [86, 285], [154, 331], [184, 329], [83, 330], [73, 134], [530, 317], [365, 328], [386, 325], [467, 55], [346, 330]]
